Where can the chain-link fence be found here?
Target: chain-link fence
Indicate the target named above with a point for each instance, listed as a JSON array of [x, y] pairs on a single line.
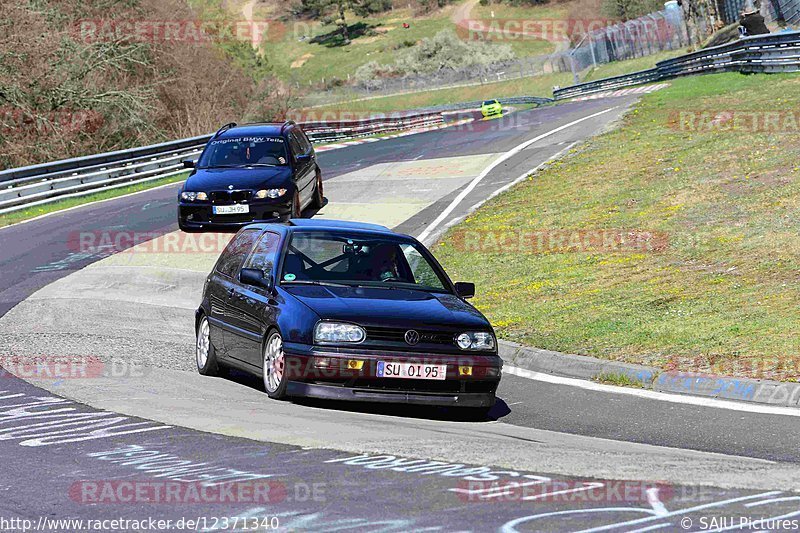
[[787, 10], [656, 32]]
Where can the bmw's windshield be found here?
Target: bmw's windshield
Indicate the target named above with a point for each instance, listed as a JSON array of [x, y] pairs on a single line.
[[353, 259], [244, 152]]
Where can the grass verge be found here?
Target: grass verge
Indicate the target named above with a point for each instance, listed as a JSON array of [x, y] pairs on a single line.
[[60, 205], [717, 292], [533, 86]]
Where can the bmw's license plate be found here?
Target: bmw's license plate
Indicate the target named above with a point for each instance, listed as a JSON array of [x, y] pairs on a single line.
[[238, 209], [411, 371]]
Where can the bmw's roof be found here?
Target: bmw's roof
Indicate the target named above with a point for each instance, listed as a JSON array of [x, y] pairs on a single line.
[[248, 130]]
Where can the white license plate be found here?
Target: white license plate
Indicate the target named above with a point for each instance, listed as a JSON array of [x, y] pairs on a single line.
[[238, 209], [411, 371]]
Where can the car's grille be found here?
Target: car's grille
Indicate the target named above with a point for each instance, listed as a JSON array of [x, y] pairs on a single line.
[[229, 197], [384, 334]]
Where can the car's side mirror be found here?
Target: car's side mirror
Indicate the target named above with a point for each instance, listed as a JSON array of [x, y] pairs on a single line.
[[464, 289], [257, 278], [188, 163], [303, 158]]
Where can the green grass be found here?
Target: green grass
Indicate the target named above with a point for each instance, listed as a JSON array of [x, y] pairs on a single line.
[[619, 380], [533, 86], [552, 11], [523, 45], [721, 297], [33, 212], [386, 38], [618, 68], [339, 61]]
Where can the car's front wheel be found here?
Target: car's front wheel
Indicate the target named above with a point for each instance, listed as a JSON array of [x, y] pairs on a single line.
[[274, 370], [205, 355]]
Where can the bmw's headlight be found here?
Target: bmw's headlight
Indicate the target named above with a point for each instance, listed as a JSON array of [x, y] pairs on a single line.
[[475, 340], [270, 193], [192, 196], [338, 332]]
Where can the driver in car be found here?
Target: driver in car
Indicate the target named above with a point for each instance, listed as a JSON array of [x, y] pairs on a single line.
[[381, 265]]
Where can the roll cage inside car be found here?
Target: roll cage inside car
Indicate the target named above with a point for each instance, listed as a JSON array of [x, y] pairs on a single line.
[[406, 272]]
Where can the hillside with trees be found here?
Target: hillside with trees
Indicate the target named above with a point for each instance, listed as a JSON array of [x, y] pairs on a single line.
[[75, 78]]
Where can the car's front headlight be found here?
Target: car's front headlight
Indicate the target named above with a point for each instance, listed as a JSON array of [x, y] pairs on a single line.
[[270, 193], [192, 196], [475, 340], [338, 332]]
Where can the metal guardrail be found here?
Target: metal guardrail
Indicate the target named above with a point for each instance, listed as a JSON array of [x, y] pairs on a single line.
[[776, 52], [511, 100], [326, 131], [605, 84], [25, 187]]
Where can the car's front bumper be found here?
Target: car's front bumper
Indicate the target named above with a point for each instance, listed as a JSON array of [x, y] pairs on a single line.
[[362, 394], [338, 382], [196, 215]]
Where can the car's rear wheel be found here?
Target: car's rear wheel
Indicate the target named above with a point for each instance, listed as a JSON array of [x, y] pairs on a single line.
[[205, 355], [319, 199], [274, 370]]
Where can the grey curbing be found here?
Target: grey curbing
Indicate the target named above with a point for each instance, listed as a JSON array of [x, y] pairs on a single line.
[[576, 366], [760, 391], [730, 388]]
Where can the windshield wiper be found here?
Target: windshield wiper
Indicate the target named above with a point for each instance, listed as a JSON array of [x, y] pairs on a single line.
[[315, 282], [391, 285], [241, 166]]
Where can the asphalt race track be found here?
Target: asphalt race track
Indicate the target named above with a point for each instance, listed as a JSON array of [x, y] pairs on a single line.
[[557, 457]]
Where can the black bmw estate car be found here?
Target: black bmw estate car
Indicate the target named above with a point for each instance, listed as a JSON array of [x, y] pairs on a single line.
[[346, 311], [249, 173]]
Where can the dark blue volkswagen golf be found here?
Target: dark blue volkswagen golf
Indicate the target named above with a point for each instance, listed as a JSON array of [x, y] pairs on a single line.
[[249, 173], [346, 311]]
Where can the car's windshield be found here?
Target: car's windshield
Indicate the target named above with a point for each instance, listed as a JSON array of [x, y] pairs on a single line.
[[490, 102], [353, 259], [243, 152]]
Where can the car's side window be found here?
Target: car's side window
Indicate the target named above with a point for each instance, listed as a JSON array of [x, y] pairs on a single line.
[[295, 145], [304, 142], [265, 253], [231, 259]]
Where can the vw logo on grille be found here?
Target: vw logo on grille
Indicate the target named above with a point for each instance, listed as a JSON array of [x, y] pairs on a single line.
[[230, 187], [412, 337]]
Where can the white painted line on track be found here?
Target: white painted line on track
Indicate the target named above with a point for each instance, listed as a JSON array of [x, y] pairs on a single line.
[[505, 157], [524, 176], [652, 395]]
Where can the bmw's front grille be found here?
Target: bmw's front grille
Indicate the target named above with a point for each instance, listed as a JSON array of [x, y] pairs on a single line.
[[229, 197]]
